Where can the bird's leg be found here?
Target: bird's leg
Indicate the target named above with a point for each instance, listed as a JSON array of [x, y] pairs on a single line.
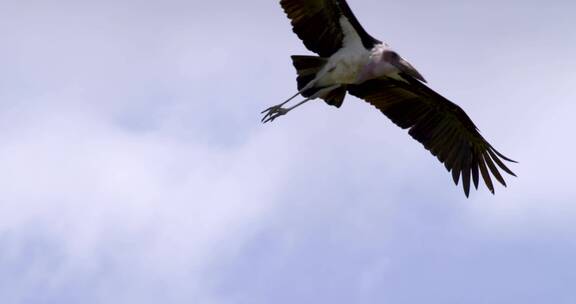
[[279, 106], [277, 111]]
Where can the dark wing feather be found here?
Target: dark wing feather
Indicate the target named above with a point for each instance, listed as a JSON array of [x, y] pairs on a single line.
[[317, 24], [440, 125]]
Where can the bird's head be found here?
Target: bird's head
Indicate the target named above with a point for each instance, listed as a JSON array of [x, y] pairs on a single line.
[[400, 63]]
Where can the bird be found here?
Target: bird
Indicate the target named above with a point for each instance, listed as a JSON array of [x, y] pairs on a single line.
[[351, 61]]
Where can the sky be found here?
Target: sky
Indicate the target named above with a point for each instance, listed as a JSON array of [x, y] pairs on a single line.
[[135, 169]]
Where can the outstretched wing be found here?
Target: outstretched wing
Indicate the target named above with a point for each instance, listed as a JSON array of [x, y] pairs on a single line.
[[318, 24], [440, 125]]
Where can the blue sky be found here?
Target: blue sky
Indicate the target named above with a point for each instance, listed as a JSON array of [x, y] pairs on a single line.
[[135, 168]]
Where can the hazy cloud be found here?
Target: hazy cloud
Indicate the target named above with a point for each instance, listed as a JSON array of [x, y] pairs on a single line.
[[135, 167]]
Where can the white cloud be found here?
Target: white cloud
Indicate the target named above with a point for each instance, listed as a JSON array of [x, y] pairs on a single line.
[[83, 184]]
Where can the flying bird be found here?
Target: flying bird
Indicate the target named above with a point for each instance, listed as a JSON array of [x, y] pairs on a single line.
[[352, 61]]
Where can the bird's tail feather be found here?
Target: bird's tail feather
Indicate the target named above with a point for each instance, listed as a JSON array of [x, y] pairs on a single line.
[[307, 67]]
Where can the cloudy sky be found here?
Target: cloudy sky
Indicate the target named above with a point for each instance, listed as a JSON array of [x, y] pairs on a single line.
[[135, 168]]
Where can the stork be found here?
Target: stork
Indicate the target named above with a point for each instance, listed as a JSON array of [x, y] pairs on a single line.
[[352, 61]]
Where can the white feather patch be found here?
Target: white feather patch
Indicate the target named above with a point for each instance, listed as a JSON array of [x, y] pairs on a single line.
[[351, 37], [345, 65]]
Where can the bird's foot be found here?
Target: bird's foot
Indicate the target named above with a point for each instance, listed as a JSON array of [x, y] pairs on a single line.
[[273, 113]]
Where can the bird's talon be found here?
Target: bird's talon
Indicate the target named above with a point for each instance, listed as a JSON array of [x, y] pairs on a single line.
[[269, 109], [273, 113]]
